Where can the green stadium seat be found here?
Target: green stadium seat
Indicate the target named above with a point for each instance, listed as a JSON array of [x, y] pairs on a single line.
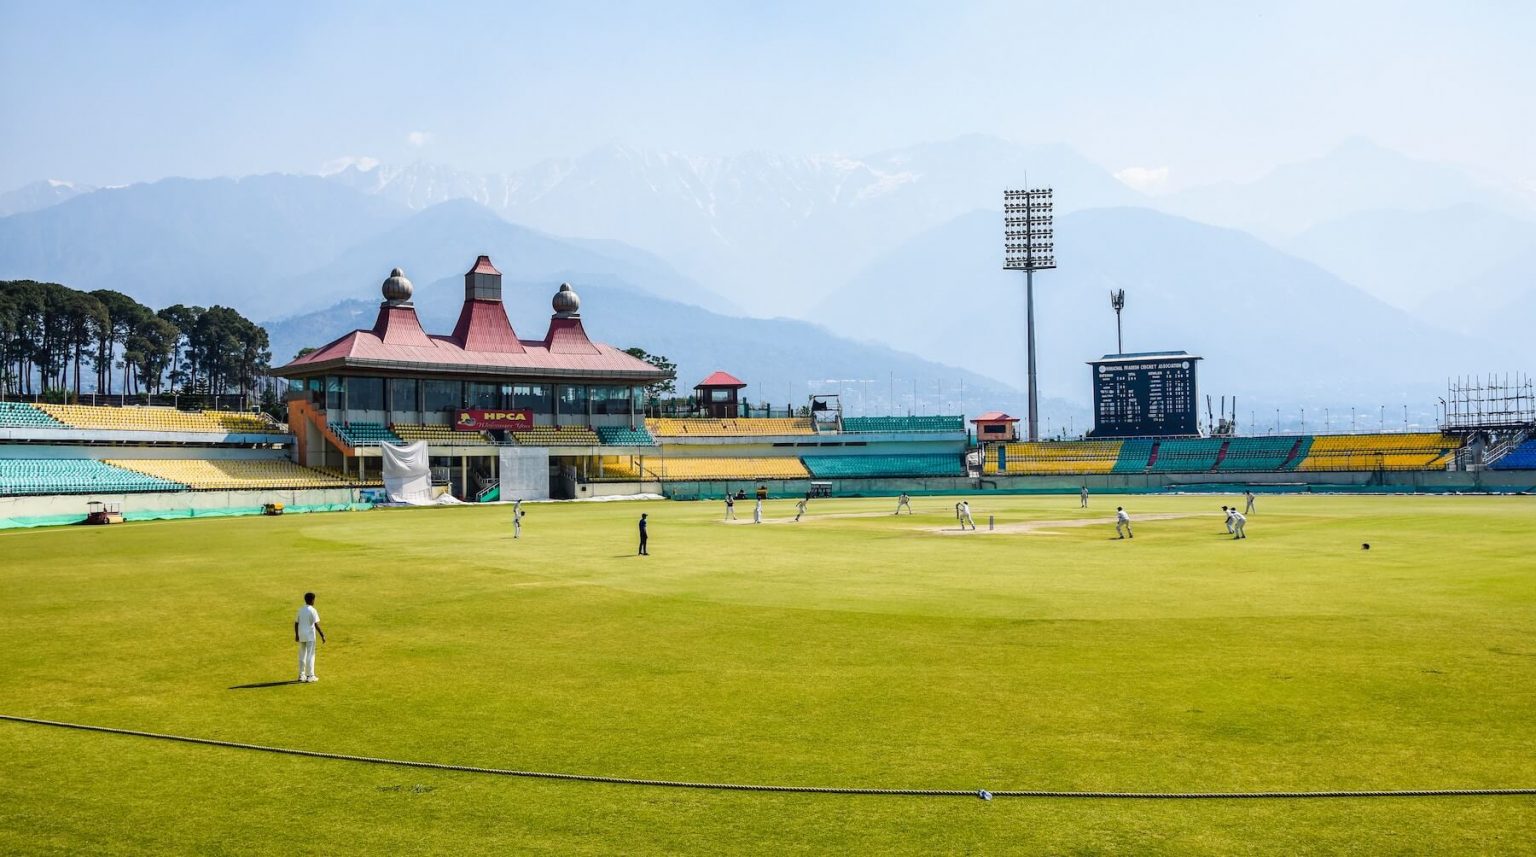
[[1133, 457], [364, 434], [904, 424], [624, 436], [23, 415], [883, 466], [35, 476], [1193, 455]]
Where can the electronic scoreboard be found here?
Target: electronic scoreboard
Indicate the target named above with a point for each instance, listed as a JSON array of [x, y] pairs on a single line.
[[1145, 395]]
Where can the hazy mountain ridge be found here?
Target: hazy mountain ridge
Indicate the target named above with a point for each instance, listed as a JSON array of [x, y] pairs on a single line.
[[1414, 259], [199, 241], [38, 195], [1215, 292], [772, 233]]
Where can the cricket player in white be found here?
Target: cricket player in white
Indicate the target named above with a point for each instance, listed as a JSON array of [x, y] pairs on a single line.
[[757, 512], [1230, 510], [517, 518], [1249, 496], [1123, 523], [903, 502], [800, 507], [1238, 521], [305, 627], [730, 507], [965, 515], [1084, 495]]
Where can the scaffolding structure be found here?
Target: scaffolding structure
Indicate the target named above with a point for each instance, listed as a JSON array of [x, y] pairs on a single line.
[[1489, 404]]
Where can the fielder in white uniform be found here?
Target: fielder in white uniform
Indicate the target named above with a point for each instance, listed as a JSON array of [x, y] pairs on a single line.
[[903, 502], [1249, 496], [800, 507], [965, 515], [1084, 495], [1123, 523], [1238, 521], [305, 627], [517, 518], [757, 512], [730, 508], [1230, 510]]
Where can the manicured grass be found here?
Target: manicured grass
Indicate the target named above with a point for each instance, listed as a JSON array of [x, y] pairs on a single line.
[[853, 648]]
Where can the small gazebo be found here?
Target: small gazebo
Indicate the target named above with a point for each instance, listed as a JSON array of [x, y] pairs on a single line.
[[717, 395], [996, 425]]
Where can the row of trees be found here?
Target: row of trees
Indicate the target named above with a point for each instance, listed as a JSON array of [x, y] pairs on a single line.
[[54, 340]]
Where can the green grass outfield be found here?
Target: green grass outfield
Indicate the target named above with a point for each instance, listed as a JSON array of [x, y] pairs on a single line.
[[851, 649]]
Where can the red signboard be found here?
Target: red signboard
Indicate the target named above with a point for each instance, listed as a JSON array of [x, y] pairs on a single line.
[[475, 420]]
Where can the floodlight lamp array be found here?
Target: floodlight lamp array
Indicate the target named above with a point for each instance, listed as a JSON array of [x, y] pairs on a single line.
[[1028, 230]]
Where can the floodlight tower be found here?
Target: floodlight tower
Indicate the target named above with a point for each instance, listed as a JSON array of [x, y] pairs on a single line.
[[1028, 247], [1117, 301]]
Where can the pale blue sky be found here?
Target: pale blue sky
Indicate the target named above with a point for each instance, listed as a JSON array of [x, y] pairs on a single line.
[[113, 92]]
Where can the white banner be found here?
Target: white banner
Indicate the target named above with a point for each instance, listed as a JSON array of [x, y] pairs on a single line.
[[407, 478]]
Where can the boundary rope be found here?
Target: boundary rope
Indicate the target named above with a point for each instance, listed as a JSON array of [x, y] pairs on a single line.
[[984, 794]]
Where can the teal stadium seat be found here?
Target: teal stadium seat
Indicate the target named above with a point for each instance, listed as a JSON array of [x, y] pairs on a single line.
[[1195, 455], [624, 436], [883, 466], [365, 434], [904, 424], [1133, 456], [34, 476], [1256, 454], [23, 415]]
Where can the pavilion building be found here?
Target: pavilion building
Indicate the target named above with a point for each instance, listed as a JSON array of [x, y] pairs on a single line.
[[474, 394]]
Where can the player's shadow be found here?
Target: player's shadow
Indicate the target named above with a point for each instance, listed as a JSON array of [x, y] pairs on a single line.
[[266, 684]]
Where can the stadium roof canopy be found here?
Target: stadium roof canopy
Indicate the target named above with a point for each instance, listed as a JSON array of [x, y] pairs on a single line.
[[483, 342]]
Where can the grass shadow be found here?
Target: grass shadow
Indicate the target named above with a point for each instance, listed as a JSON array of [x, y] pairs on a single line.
[[266, 684]]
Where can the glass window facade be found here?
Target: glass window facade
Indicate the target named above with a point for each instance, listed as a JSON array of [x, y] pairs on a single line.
[[332, 393], [534, 397], [484, 395], [365, 394], [573, 400], [442, 395], [402, 394], [610, 400]]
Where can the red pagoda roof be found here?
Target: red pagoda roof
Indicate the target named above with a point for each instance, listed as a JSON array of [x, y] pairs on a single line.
[[721, 379], [483, 266]]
